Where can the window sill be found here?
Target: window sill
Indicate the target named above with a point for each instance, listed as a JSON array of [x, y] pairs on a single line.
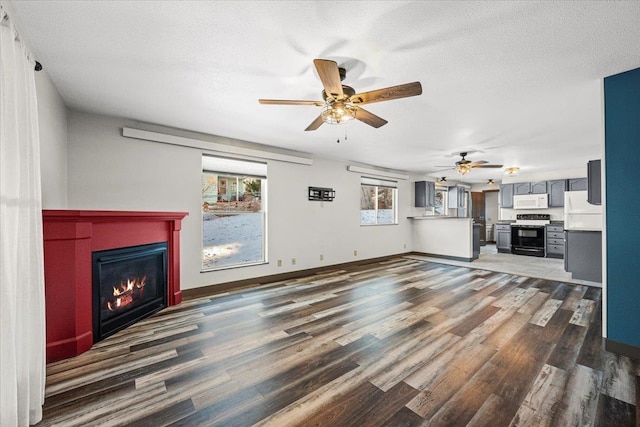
[[229, 267]]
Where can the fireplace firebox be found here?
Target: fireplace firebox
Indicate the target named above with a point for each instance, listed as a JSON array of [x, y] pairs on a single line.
[[129, 284]]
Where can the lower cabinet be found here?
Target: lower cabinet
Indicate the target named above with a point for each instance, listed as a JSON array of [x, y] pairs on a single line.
[[503, 238], [583, 255], [554, 241]]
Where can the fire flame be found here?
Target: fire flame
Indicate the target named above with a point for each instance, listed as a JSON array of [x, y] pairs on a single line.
[[124, 293]]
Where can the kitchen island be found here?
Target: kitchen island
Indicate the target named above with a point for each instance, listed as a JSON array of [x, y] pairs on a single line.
[[443, 237]]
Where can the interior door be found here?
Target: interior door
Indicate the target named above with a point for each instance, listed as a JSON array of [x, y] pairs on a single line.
[[477, 212]]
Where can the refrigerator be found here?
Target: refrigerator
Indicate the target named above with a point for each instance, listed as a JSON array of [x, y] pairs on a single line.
[[580, 215]]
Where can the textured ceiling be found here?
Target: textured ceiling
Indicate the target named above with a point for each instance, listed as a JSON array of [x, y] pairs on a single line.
[[519, 83]]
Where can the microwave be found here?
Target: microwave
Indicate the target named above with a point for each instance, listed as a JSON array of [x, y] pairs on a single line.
[[531, 201]]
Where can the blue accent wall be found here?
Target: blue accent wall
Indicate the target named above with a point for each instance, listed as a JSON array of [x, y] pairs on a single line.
[[622, 156]]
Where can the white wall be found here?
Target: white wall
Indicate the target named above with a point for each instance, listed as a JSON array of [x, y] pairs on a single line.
[[52, 119], [110, 172]]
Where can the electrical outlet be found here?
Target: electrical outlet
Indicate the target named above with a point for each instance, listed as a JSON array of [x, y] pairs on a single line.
[[279, 263], [321, 257], [355, 253], [293, 261]]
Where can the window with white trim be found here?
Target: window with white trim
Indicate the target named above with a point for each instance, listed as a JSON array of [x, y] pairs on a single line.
[[233, 212], [378, 201]]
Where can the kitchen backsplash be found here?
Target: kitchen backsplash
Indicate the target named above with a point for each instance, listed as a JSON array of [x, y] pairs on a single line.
[[510, 214]]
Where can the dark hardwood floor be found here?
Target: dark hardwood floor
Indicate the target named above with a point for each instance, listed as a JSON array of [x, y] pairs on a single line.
[[395, 343]]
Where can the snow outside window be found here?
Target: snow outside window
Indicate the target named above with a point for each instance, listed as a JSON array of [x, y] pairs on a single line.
[[233, 213], [378, 202]]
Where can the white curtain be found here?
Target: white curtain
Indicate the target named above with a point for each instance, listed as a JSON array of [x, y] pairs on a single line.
[[22, 324]]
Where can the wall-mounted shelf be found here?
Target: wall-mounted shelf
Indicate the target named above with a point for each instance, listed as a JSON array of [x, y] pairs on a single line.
[[320, 194]]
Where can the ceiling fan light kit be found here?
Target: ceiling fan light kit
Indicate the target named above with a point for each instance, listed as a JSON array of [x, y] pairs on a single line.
[[342, 103], [338, 114], [463, 169]]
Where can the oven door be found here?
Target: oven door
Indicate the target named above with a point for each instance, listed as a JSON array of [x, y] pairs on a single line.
[[527, 240]]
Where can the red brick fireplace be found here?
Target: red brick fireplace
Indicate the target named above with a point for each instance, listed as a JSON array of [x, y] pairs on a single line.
[[70, 239]]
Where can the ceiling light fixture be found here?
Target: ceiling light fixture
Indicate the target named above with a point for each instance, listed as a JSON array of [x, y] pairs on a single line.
[[463, 168], [338, 112], [490, 182], [443, 179], [512, 171]]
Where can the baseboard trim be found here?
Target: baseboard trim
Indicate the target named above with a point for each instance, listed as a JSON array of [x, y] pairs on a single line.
[[248, 283], [621, 348], [452, 258]]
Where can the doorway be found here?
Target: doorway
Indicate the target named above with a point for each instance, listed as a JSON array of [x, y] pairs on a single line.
[[492, 213]]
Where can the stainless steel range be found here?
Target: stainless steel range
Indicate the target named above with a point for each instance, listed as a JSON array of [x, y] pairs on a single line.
[[527, 234]]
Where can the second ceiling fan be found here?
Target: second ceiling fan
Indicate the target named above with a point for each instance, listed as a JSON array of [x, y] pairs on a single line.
[[341, 103], [464, 166]]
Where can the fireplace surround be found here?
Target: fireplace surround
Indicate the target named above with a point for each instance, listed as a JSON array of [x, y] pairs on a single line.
[[70, 239]]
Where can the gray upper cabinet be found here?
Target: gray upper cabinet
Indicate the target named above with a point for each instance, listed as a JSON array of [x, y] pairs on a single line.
[[594, 192], [556, 192], [425, 194], [506, 195], [456, 197], [578, 184], [521, 188], [539, 187]]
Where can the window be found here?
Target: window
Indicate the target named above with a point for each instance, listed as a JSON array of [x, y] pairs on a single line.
[[378, 202], [441, 201], [233, 212]]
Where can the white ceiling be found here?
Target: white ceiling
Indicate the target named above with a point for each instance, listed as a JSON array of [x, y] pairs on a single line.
[[520, 83]]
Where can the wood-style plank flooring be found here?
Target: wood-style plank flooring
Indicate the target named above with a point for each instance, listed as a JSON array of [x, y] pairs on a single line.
[[396, 343]]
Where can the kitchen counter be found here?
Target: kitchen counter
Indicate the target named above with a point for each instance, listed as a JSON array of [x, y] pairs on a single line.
[[584, 229], [436, 217], [444, 237]]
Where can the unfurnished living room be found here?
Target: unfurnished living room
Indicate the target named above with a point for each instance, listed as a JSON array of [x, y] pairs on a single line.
[[319, 213]]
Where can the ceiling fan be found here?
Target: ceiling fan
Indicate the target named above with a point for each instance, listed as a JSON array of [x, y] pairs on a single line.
[[464, 166], [341, 103]]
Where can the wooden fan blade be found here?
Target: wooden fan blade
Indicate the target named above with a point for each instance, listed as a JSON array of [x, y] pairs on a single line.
[[479, 162], [387, 94], [487, 166], [289, 102], [315, 124], [369, 118], [330, 77]]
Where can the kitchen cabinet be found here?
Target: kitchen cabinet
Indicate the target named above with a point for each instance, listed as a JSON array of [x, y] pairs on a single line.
[[425, 194], [583, 255], [476, 240], [520, 188], [594, 192], [578, 184], [506, 195], [556, 192], [539, 187], [554, 241], [457, 197], [503, 238]]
